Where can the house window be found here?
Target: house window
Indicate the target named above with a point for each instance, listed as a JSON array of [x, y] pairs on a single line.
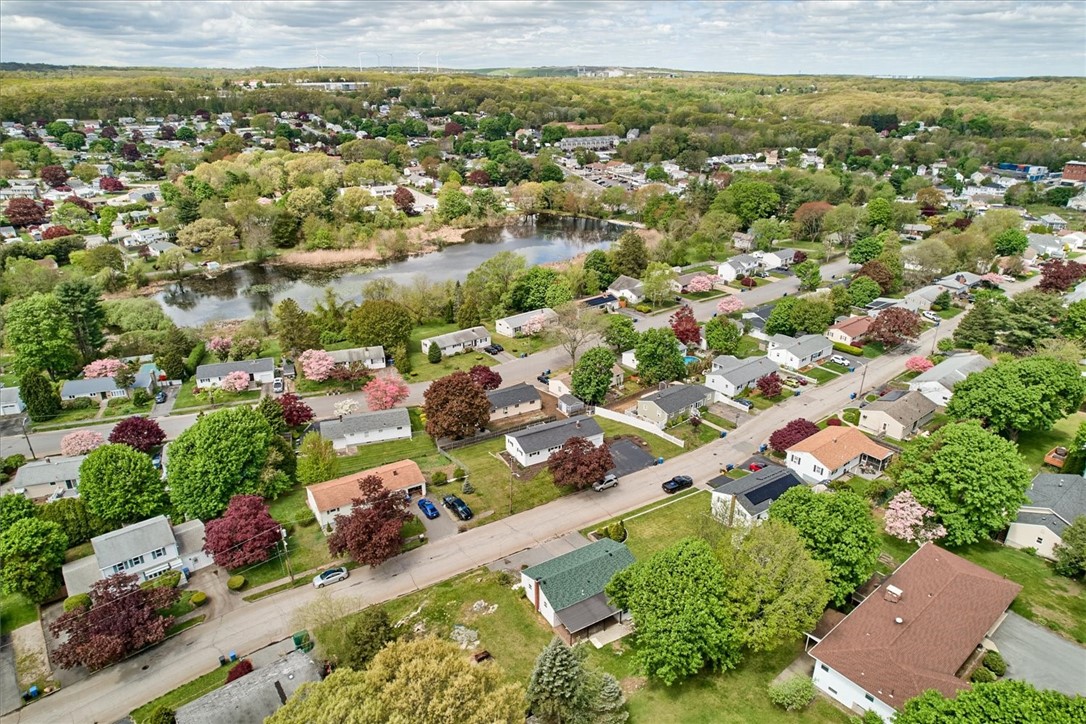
[[832, 690], [1040, 540], [133, 562], [819, 470], [869, 697], [824, 667], [160, 553]]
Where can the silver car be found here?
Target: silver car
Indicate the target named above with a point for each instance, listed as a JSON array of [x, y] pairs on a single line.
[[609, 481], [332, 575]]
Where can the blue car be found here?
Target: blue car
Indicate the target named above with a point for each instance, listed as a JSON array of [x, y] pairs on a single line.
[[428, 509]]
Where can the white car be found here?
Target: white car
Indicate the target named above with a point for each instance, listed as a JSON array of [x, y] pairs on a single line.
[[932, 316], [839, 360], [277, 385], [332, 575]]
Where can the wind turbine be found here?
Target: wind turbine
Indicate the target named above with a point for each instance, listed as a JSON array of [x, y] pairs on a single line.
[[317, 49], [437, 60], [360, 61], [378, 60], [418, 61]]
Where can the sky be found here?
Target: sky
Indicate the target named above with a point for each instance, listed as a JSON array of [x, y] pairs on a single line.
[[975, 38]]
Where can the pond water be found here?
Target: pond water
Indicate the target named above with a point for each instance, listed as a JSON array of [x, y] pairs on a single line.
[[239, 293]]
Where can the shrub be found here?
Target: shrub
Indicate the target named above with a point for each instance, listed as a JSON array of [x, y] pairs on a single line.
[[116, 402], [847, 348], [458, 473], [433, 354], [234, 583], [945, 344], [467, 488], [80, 403], [794, 694], [834, 422], [195, 357], [79, 600], [616, 531], [439, 478], [749, 282], [141, 397], [14, 462], [170, 579], [198, 599], [982, 676], [161, 714], [643, 308], [240, 669], [994, 662]]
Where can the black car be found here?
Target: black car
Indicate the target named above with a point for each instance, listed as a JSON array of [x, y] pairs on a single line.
[[160, 396], [493, 348], [544, 379], [677, 483], [458, 506]]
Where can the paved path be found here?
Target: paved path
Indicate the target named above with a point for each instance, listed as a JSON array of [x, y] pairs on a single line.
[[1043, 658]]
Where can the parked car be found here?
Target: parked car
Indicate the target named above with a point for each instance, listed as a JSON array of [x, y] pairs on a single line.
[[332, 575], [160, 396], [745, 403], [493, 348], [677, 483], [755, 467], [458, 506], [839, 360], [609, 481], [931, 316], [544, 379], [428, 509], [156, 460], [277, 385]]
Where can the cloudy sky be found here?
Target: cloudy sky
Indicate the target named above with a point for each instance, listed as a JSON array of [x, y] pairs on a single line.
[[948, 38]]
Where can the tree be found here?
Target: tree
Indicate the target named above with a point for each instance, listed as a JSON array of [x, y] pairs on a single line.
[[485, 377], [592, 375], [1011, 242], [1000, 702], [31, 552], [597, 261], [1020, 395], [120, 485], [37, 330], [684, 325], [404, 200], [877, 272], [678, 599], [628, 256], [573, 325], [579, 463], [722, 335], [55, 232], [14, 508], [363, 638], [208, 233], [140, 433], [749, 200], [244, 535], [71, 514], [25, 212], [317, 459], [122, 619], [295, 412], [837, 529], [780, 318], [419, 680], [702, 283], [561, 689], [880, 214], [317, 365], [807, 219], [296, 331], [863, 290], [223, 454], [237, 381], [974, 480], [729, 305], [910, 521], [620, 333], [918, 363], [1071, 551], [770, 385], [384, 393], [80, 442], [1059, 276], [893, 326], [794, 432], [39, 395], [102, 368], [370, 533], [983, 323], [776, 590], [380, 322], [865, 250], [53, 175], [455, 407], [108, 184], [657, 280], [809, 274], [659, 358], [433, 354], [270, 409]]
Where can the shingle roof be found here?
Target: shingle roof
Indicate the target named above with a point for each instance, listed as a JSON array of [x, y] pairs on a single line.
[[94, 386], [1063, 494], [221, 369], [514, 395], [946, 607], [365, 422], [9, 395], [580, 574], [625, 283], [835, 446], [132, 540], [337, 493], [906, 409], [854, 326], [674, 398], [802, 346], [518, 320], [554, 434], [743, 371], [460, 336], [357, 354], [49, 470], [952, 370], [756, 491], [742, 261]]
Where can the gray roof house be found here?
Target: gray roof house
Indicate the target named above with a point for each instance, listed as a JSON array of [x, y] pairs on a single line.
[[11, 403], [1054, 502], [459, 341], [959, 282], [261, 370], [627, 288], [535, 444], [515, 400], [372, 358], [920, 300], [898, 414], [729, 375], [1046, 245], [367, 427], [797, 352], [746, 500], [665, 405], [51, 477], [97, 388], [937, 384], [737, 266]]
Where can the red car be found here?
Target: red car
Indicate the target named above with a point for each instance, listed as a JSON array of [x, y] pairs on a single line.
[[755, 467]]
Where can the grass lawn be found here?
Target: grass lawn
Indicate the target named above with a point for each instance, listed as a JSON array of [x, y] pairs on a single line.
[[490, 477], [698, 296], [718, 420], [693, 437], [184, 605], [764, 403], [520, 345], [422, 369], [821, 375], [328, 387], [67, 416], [851, 415], [186, 397], [16, 611], [950, 313], [834, 367], [183, 694], [748, 347], [654, 528], [1034, 445], [658, 446], [873, 350], [80, 551], [420, 448], [126, 409]]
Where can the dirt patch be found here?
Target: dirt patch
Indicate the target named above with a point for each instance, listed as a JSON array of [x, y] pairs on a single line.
[[630, 684]]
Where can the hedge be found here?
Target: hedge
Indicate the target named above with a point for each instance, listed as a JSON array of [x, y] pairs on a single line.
[[983, 676], [198, 599], [847, 348], [235, 583], [994, 662], [793, 694], [79, 600]]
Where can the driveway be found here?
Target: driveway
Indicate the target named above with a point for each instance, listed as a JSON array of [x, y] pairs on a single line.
[[629, 457], [443, 526], [165, 408], [1037, 656]]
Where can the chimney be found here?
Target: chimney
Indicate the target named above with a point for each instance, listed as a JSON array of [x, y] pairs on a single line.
[[893, 595]]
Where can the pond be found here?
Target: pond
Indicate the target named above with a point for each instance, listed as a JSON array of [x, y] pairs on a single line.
[[241, 292]]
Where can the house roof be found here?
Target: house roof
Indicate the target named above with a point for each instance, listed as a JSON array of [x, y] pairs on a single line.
[[801, 346], [946, 607], [952, 370], [93, 386], [785, 255], [580, 574], [756, 491], [49, 470], [221, 369], [1063, 494], [365, 422], [599, 300], [132, 540], [554, 434], [9, 395], [339, 492], [675, 398], [514, 395], [358, 354], [930, 293], [742, 261], [518, 320], [854, 326], [906, 409], [742, 371], [625, 283], [959, 280], [190, 537], [835, 446], [460, 336]]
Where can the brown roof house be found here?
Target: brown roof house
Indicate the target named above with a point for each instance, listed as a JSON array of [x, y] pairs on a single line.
[[830, 453], [334, 497], [916, 632], [850, 331]]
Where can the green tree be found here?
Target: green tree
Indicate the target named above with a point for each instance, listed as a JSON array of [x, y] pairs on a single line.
[[452, 203], [780, 319], [1071, 551], [880, 214], [865, 250], [983, 324], [364, 636], [657, 281], [72, 515], [723, 335], [379, 322], [317, 459], [120, 485], [659, 358], [487, 285], [974, 480], [837, 529], [31, 552], [559, 690], [809, 274], [629, 255], [620, 333], [863, 290], [82, 305], [598, 262], [39, 395], [1000, 702], [529, 291], [812, 315], [270, 409], [679, 602], [1010, 242], [433, 354], [749, 200], [1073, 324], [14, 508], [296, 330], [39, 333], [592, 375]]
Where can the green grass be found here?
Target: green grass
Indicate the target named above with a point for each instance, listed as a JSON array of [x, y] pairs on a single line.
[[764, 403], [186, 397], [1034, 445], [697, 296], [186, 624], [16, 611], [67, 416], [748, 347], [851, 415], [693, 437], [311, 387], [873, 350], [80, 551], [821, 375], [834, 367], [127, 409], [183, 694], [490, 477], [421, 367], [950, 313], [658, 447], [519, 345], [183, 605], [668, 521], [718, 420]]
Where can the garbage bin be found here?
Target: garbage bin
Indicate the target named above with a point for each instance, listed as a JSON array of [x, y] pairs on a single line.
[[723, 433], [659, 461]]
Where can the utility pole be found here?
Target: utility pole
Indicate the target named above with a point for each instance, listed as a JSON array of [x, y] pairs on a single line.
[[33, 456], [286, 553]]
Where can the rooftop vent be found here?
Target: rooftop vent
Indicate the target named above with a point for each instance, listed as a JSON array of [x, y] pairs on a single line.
[[893, 594], [899, 619]]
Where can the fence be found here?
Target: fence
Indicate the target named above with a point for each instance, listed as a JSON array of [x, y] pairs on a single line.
[[639, 424]]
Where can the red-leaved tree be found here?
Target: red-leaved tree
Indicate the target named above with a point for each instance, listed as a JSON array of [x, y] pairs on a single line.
[[55, 232], [478, 177], [110, 184], [404, 199], [370, 533], [795, 431], [579, 463], [452, 128], [485, 377], [770, 385], [295, 412], [24, 212], [893, 326], [122, 619], [879, 273], [455, 407], [1059, 276], [684, 325], [244, 535], [384, 393], [239, 670], [53, 175], [81, 203], [141, 433]]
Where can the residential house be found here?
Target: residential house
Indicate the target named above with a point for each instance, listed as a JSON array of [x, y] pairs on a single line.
[[745, 501], [157, 248], [915, 633], [336, 497], [834, 451], [372, 358], [937, 384], [11, 403], [148, 236], [628, 288], [568, 591], [1054, 502], [779, 258], [592, 143], [628, 359], [518, 324], [561, 387], [519, 399], [536, 444], [960, 283], [1054, 222], [672, 402], [462, 340], [367, 427], [742, 241], [602, 302], [798, 352], [915, 232], [8, 233], [897, 414], [851, 331], [921, 300], [1046, 245], [98, 388], [1078, 203], [146, 549], [49, 478], [730, 376], [741, 265], [261, 371], [680, 283], [755, 319]]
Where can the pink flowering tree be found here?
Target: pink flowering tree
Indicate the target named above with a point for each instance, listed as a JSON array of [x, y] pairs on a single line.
[[103, 368], [80, 442], [702, 283], [220, 346], [910, 521], [383, 393], [992, 278], [729, 305], [535, 324], [316, 364], [918, 364], [236, 382]]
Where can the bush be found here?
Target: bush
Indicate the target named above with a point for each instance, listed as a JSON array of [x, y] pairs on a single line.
[[235, 583], [170, 579], [794, 694], [439, 478], [467, 488], [79, 403], [198, 599], [994, 662], [433, 354], [834, 422], [141, 397], [458, 473], [847, 348], [79, 600], [240, 669], [14, 462], [117, 402], [195, 357], [161, 714], [643, 308], [945, 344], [982, 676], [616, 531]]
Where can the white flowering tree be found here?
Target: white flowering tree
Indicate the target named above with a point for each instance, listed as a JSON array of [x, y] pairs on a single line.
[[729, 305], [535, 324], [702, 283], [80, 442], [908, 520], [103, 368]]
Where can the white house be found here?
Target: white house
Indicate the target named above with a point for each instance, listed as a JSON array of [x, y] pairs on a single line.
[[897, 414], [730, 376], [49, 478], [1046, 245], [515, 325], [519, 399], [797, 352], [367, 427], [1054, 222], [628, 288], [923, 298], [336, 497], [912, 634], [937, 384], [11, 403], [536, 444], [157, 248], [779, 258], [97, 388], [148, 236], [738, 266], [462, 340], [372, 358], [1055, 501], [663, 406], [834, 451], [261, 371], [745, 501]]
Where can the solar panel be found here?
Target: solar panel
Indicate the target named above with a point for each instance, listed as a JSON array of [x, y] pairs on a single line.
[[772, 490]]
